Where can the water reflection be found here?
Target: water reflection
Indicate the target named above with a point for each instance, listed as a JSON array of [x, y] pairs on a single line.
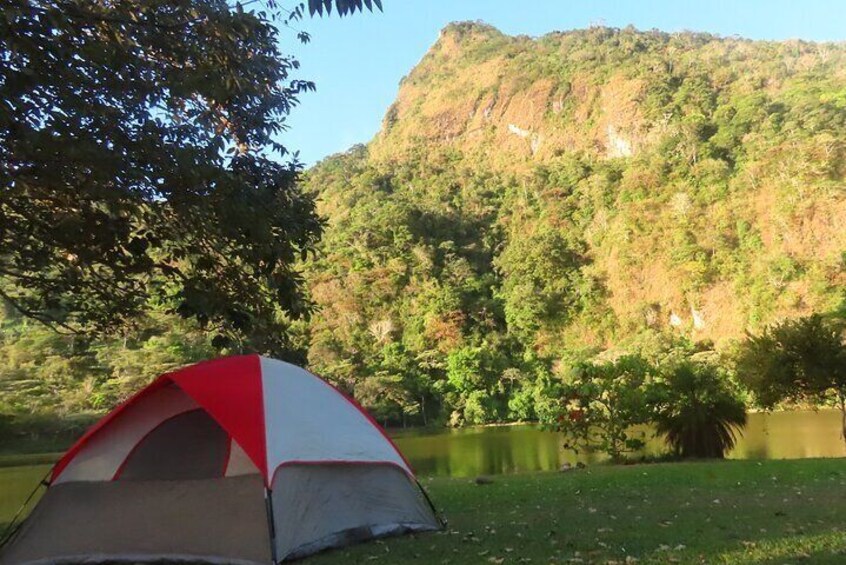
[[791, 435], [513, 449]]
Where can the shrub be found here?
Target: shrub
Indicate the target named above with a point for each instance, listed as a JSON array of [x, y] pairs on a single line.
[[602, 405], [697, 410]]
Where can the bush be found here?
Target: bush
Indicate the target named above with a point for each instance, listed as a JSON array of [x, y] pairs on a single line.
[[697, 410], [477, 408], [602, 405]]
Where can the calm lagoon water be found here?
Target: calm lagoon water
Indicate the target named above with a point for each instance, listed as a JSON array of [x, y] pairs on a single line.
[[514, 449]]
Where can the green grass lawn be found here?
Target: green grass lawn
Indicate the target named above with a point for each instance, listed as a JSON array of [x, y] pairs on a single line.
[[12, 460], [16, 483], [715, 512]]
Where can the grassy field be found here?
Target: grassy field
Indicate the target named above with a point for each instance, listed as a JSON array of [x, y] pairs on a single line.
[[715, 512], [722, 512], [16, 483], [28, 459]]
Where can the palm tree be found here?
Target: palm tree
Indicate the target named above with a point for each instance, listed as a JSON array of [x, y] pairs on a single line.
[[698, 411]]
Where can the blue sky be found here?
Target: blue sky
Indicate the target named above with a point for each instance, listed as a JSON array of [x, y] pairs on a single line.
[[358, 62]]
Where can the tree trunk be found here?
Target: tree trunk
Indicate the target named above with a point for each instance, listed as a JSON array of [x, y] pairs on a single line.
[[841, 399], [423, 408]]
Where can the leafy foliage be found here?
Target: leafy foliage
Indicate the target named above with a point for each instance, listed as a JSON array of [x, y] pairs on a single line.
[[697, 410], [602, 404], [539, 201], [342, 7], [45, 372], [801, 360], [541, 282], [135, 143], [147, 213]]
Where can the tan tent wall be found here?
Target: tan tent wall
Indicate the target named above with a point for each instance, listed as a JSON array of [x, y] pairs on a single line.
[[214, 520]]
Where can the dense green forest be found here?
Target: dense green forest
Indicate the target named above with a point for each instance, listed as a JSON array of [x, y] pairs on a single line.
[[530, 204]]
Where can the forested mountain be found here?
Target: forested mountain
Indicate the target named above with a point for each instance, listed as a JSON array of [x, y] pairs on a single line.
[[533, 202]]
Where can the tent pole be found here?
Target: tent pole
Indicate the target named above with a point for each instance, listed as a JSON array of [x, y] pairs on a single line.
[[271, 524], [438, 516]]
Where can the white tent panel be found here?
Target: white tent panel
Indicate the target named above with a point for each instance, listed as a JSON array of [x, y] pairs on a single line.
[[316, 507], [103, 454], [308, 420]]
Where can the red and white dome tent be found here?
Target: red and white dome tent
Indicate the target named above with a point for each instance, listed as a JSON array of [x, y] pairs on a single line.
[[237, 460]]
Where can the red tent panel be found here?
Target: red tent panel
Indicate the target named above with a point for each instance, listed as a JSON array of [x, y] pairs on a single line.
[[230, 390]]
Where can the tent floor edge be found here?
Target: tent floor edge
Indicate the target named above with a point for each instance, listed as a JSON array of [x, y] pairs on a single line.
[[354, 536], [130, 558]]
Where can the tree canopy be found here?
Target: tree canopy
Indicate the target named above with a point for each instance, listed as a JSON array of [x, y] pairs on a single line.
[[140, 164], [602, 404], [802, 360]]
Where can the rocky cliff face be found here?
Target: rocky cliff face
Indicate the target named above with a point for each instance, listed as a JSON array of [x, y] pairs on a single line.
[[701, 178], [510, 99]]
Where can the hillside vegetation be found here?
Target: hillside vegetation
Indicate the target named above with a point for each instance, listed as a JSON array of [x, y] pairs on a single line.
[[530, 203], [533, 201]]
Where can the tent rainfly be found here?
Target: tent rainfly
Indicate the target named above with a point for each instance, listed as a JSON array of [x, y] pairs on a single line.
[[243, 460]]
